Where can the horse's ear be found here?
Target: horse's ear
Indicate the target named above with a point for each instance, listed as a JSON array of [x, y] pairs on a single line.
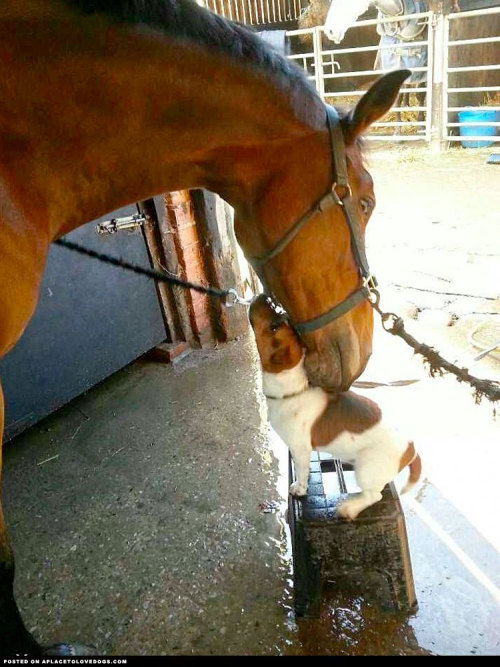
[[375, 103]]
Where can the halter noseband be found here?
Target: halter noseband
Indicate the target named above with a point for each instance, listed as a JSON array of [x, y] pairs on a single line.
[[339, 171]]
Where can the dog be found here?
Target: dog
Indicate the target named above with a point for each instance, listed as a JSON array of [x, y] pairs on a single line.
[[347, 425]]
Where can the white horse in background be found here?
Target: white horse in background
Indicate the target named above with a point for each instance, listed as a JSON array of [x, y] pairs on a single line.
[[341, 16], [396, 35]]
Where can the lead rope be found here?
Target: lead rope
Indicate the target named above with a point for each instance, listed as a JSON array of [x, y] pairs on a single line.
[[437, 365], [391, 322], [229, 297]]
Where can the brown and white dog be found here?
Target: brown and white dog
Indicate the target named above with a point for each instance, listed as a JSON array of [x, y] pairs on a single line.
[[347, 425]]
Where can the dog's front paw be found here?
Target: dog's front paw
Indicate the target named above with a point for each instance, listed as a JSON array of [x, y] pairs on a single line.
[[297, 489]]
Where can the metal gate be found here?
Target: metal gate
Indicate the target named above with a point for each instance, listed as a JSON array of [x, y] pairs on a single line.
[[433, 114], [325, 65], [428, 113]]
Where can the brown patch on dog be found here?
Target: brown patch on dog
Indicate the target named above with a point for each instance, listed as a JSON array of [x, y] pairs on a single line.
[[345, 412], [278, 345]]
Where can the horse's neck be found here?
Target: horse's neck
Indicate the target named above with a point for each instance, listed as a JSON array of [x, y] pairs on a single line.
[[123, 113]]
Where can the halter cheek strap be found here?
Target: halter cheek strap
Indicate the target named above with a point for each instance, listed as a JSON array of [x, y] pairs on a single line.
[[330, 199]]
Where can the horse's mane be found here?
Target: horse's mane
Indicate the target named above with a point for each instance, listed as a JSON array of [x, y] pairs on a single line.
[[186, 19]]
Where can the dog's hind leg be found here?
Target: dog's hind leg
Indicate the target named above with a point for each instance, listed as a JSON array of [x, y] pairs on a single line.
[[374, 470], [358, 502]]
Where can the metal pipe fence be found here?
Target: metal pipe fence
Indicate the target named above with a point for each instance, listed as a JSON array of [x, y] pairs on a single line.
[[433, 112], [322, 65], [437, 120]]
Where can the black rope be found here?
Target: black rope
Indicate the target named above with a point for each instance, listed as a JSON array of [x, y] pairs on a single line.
[[437, 364], [150, 273]]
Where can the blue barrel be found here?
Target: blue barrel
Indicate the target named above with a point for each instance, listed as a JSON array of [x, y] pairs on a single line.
[[476, 116]]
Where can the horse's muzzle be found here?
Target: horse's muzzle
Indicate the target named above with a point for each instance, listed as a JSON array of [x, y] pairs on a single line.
[[333, 363]]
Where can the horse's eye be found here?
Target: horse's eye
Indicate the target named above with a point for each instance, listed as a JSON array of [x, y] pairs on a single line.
[[366, 205], [274, 326]]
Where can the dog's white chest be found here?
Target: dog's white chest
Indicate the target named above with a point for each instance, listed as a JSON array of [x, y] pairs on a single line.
[[293, 418]]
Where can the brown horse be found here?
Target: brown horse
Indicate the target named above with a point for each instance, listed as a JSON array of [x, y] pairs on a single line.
[[104, 104]]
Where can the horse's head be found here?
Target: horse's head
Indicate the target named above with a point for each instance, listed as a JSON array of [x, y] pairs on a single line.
[[318, 268], [341, 16]]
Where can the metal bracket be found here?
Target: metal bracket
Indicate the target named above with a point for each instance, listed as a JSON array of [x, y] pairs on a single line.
[[119, 224]]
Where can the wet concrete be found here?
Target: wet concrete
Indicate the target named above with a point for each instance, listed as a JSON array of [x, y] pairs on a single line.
[[151, 534], [148, 516], [145, 533]]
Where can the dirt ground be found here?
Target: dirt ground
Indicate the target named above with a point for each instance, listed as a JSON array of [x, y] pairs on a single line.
[[138, 512], [434, 244], [435, 228]]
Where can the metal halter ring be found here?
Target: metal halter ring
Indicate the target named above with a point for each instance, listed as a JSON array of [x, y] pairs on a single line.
[[347, 192], [373, 294], [234, 299]]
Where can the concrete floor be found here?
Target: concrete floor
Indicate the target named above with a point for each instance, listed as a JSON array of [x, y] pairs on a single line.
[[139, 512], [147, 533]]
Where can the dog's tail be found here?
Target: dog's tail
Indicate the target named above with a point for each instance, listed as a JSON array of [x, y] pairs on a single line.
[[411, 459]]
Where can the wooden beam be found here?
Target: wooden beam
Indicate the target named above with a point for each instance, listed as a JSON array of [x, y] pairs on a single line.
[[159, 261], [221, 265], [188, 244]]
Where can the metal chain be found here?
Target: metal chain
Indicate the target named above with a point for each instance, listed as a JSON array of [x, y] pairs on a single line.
[[394, 325]]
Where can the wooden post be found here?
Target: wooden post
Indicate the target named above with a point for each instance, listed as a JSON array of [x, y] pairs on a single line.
[[439, 79], [189, 235], [221, 265], [159, 261], [159, 236], [189, 242]]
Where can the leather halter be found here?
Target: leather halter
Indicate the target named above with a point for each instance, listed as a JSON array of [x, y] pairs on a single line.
[[331, 198]]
